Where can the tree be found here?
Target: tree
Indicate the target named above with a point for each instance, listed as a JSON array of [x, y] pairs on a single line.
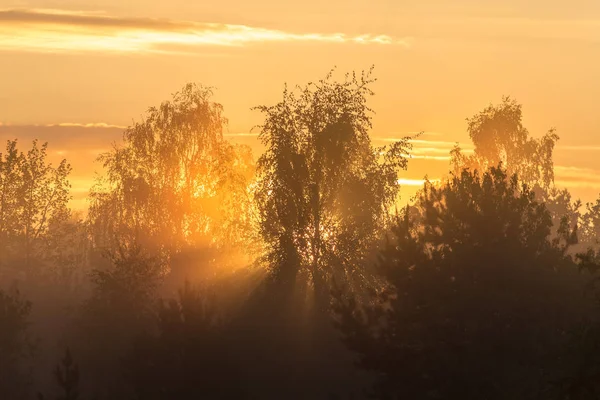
[[10, 179], [499, 136], [15, 345], [477, 299], [67, 377], [190, 355], [323, 190], [580, 381], [175, 182], [590, 224], [34, 197], [121, 307], [68, 249]]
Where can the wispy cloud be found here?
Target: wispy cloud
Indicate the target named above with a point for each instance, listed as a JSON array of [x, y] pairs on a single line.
[[576, 177], [64, 125], [90, 125], [442, 143], [414, 182], [433, 150], [66, 31], [577, 184], [578, 148], [429, 157], [479, 29], [65, 136]]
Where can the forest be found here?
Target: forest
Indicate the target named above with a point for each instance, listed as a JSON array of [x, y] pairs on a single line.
[[203, 271]]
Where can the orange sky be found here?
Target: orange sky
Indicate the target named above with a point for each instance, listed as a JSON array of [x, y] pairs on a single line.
[[73, 72]]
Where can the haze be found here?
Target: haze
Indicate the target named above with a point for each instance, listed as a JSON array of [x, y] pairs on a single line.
[[299, 200]]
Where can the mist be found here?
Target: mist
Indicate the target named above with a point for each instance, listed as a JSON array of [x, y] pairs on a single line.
[[201, 268]]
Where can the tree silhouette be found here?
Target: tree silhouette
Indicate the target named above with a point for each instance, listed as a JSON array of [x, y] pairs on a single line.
[[480, 289], [323, 191], [189, 356], [67, 377], [590, 224], [175, 182], [121, 307], [580, 379], [68, 249], [15, 345], [477, 300], [33, 199], [10, 166], [499, 136]]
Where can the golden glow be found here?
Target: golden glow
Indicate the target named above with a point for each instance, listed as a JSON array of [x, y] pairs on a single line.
[[424, 156], [462, 56]]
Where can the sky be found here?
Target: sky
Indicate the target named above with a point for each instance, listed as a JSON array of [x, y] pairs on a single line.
[[76, 73]]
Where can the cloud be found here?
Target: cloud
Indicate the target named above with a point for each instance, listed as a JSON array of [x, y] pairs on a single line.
[[415, 182], [65, 136], [577, 184], [429, 157], [578, 177], [499, 28], [578, 148], [443, 143], [65, 31], [90, 125], [433, 150]]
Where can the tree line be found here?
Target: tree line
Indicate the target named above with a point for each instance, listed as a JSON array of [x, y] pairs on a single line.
[[199, 271]]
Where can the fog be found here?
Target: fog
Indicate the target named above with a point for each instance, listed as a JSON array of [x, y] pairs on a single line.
[[202, 270]]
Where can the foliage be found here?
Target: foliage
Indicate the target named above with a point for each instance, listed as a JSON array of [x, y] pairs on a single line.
[[480, 289], [67, 377], [33, 199], [15, 345], [187, 357], [478, 297], [121, 306], [323, 190], [175, 182], [590, 223], [499, 136], [68, 250]]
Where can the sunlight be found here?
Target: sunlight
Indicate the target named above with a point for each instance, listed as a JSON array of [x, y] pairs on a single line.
[[288, 200], [414, 182], [200, 191]]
